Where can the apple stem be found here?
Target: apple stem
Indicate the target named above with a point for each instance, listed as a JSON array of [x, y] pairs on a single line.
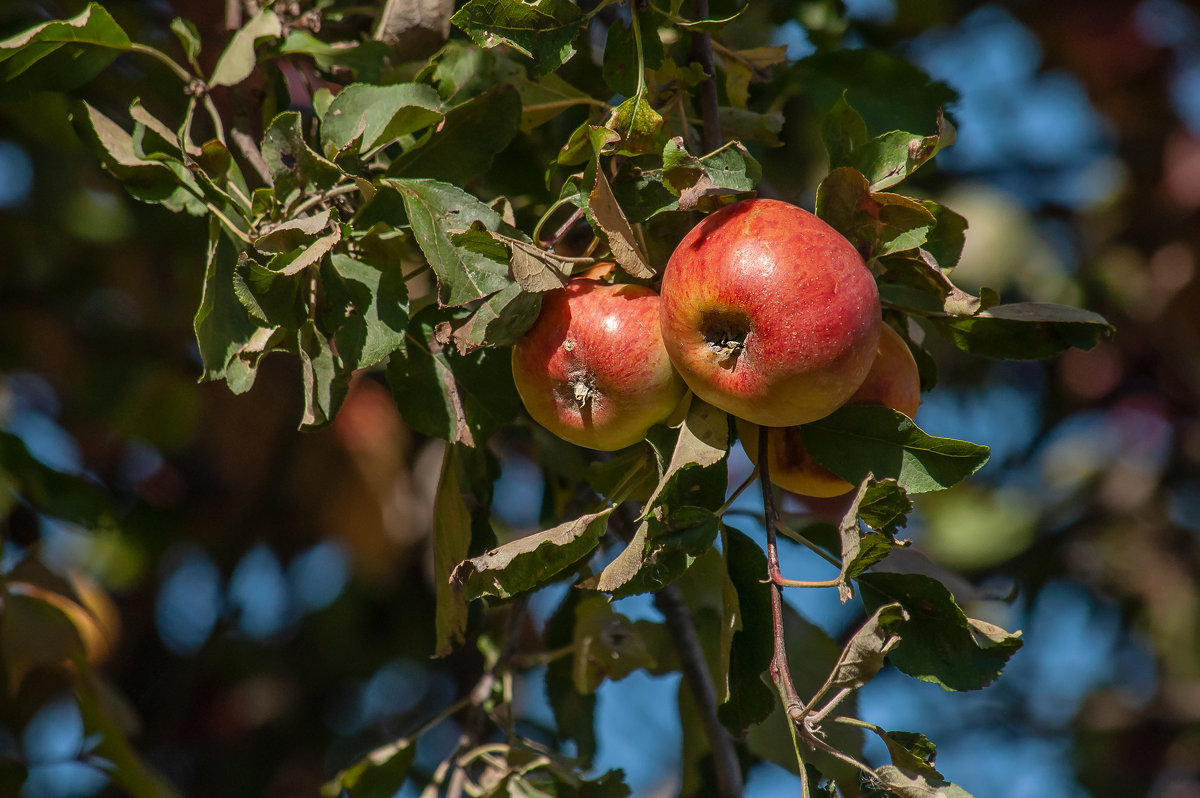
[[583, 393]]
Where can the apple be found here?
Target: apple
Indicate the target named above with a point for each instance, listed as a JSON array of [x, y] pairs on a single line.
[[769, 313], [593, 369], [893, 381]]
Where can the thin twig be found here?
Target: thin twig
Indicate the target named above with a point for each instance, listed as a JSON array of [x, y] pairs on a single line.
[[678, 618], [780, 673]]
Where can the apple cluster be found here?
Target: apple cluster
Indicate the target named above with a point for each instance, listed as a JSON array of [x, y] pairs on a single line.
[[765, 312]]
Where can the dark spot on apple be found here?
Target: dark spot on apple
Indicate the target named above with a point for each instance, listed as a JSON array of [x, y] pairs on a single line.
[[725, 333]]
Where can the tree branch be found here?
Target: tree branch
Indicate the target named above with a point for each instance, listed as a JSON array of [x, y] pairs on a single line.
[[670, 603], [702, 53]]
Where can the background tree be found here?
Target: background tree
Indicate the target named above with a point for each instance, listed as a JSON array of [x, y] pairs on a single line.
[[276, 604]]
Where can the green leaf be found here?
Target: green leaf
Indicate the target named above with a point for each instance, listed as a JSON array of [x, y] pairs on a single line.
[[639, 126], [606, 217], [547, 97], [380, 774], [238, 60], [532, 561], [887, 159], [434, 209], [712, 181], [659, 552], [858, 440], [620, 55], [362, 117], [887, 90], [451, 545], [369, 303], [750, 699], [938, 642], [945, 241], [542, 29], [222, 325], [499, 320], [859, 552], [703, 442], [631, 475], [744, 125], [842, 131], [325, 380], [885, 506], [460, 70], [875, 223], [916, 269], [60, 55], [365, 60], [272, 298], [1024, 330], [916, 785], [189, 38], [607, 645], [464, 145], [294, 166], [163, 181], [447, 395], [862, 656], [293, 234]]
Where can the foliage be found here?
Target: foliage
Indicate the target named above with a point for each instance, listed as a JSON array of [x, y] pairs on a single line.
[[394, 219]]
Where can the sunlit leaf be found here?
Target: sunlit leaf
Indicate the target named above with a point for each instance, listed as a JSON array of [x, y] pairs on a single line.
[[60, 55], [294, 166], [434, 209], [658, 552], [238, 59], [363, 117], [153, 181], [542, 29], [876, 223], [531, 561], [858, 440], [703, 442]]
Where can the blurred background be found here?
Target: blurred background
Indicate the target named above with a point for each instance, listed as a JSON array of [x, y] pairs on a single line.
[[262, 598]]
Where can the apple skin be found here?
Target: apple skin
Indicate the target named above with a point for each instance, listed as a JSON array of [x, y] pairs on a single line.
[[592, 369], [769, 313], [893, 381]]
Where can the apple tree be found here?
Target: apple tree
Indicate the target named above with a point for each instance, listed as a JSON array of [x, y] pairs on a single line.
[[398, 193]]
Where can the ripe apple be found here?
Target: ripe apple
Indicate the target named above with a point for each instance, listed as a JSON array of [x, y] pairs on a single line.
[[893, 382], [593, 369], [769, 313]]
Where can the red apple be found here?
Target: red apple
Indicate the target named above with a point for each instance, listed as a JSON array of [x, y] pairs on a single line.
[[769, 313], [593, 369], [893, 382]]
